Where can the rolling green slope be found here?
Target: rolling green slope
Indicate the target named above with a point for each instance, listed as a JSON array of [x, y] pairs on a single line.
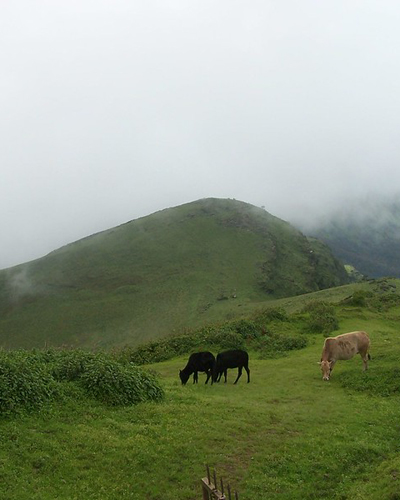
[[181, 267]]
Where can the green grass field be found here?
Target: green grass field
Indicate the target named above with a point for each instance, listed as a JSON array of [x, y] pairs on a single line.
[[286, 435]]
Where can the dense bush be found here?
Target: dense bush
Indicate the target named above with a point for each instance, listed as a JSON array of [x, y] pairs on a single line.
[[271, 314], [274, 345], [150, 352], [227, 339], [29, 379], [116, 384], [379, 300], [70, 365], [320, 317], [388, 300], [25, 383], [359, 298], [247, 329]]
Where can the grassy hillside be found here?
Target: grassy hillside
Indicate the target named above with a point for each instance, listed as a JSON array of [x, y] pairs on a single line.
[[183, 267], [367, 238], [286, 435]]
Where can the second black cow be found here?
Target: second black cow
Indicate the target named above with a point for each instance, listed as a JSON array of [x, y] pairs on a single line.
[[234, 358]]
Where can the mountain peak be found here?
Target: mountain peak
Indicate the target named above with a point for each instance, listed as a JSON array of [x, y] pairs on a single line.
[[161, 273]]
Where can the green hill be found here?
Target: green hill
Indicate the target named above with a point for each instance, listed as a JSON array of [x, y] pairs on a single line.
[[179, 268]]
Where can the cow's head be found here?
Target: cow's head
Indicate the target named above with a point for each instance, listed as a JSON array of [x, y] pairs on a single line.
[[326, 368], [183, 376]]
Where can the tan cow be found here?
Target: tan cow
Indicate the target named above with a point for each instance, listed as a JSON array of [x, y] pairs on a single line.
[[343, 347]]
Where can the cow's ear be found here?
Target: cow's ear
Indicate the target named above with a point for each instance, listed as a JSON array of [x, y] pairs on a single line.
[[319, 363]]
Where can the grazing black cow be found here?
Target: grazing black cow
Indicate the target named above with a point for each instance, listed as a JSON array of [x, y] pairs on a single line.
[[198, 362], [235, 358]]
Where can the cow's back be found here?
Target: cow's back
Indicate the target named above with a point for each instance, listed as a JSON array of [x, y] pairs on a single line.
[[233, 358], [201, 361], [207, 359], [345, 346], [362, 341]]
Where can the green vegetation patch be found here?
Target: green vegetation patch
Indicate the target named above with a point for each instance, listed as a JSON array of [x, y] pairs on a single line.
[[272, 346], [116, 384], [382, 382], [31, 379], [373, 301], [262, 332], [320, 317], [25, 383]]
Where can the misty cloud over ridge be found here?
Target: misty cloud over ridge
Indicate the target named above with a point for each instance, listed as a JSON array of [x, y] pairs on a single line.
[[114, 110]]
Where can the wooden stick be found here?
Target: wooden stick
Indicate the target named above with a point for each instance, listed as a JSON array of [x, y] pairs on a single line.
[[205, 492]]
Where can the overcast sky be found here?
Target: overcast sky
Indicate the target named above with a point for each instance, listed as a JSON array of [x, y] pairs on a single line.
[[114, 109]]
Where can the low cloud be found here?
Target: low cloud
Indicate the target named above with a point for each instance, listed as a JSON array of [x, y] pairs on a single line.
[[114, 110], [20, 285]]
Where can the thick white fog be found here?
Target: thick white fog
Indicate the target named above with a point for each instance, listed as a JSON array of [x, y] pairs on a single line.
[[113, 109]]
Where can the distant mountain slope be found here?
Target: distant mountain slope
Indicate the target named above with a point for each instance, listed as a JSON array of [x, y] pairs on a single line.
[[368, 239], [178, 268]]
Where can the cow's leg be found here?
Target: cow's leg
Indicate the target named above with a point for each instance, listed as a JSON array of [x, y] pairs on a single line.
[[248, 373], [195, 377], [208, 372], [225, 374], [240, 369], [364, 357]]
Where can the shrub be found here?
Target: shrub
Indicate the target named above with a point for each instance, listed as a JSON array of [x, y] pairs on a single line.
[[377, 301], [152, 352], [320, 317], [25, 383], [383, 302], [29, 379], [271, 314], [70, 365], [227, 340], [359, 298], [273, 345], [113, 383], [247, 329], [179, 344]]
